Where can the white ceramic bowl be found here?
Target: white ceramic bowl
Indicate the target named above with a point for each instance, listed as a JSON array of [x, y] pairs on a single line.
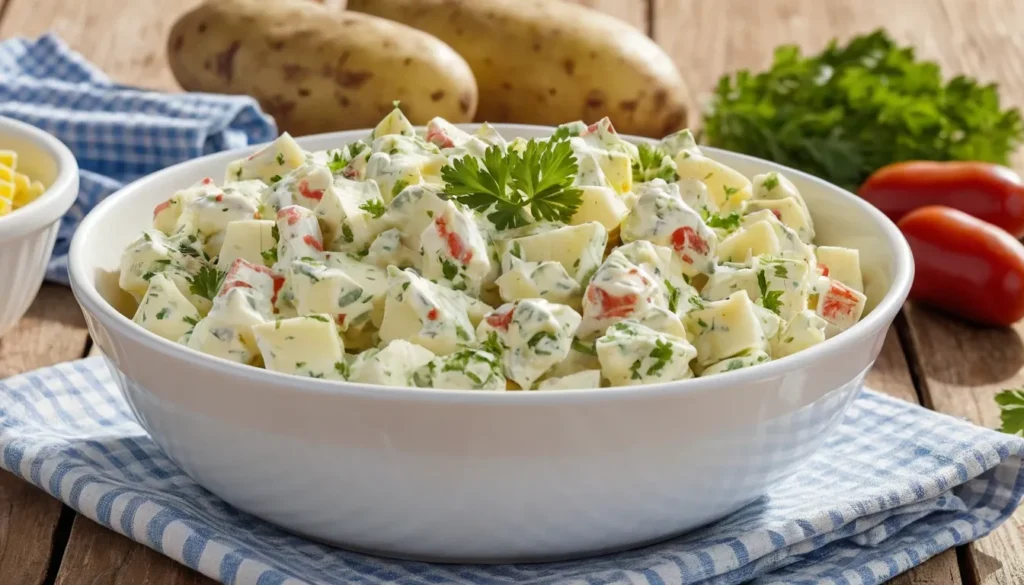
[[27, 235], [482, 476]]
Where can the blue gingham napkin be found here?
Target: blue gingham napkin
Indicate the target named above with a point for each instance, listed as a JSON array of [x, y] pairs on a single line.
[[117, 133], [895, 485]]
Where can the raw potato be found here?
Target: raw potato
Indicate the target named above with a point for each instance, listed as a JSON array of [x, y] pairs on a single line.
[[317, 69], [549, 62]]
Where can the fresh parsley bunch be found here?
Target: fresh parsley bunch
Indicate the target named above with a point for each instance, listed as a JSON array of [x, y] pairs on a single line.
[[852, 109], [517, 189]]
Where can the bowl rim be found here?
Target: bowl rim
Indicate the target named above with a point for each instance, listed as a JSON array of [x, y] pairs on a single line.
[[880, 317], [58, 196]]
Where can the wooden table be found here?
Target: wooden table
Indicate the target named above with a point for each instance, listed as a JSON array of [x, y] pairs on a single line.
[[929, 359]]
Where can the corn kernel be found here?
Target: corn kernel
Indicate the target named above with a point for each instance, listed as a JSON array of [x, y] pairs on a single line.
[[9, 158], [22, 185], [6, 173], [5, 206], [25, 192], [7, 190]]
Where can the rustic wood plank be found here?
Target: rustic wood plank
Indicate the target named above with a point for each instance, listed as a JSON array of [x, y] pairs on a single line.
[[52, 331], [126, 39], [891, 373], [103, 557], [962, 368]]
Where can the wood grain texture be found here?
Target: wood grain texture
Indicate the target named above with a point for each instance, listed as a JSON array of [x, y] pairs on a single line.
[[891, 374], [125, 38], [965, 387], [104, 557], [52, 331], [709, 38]]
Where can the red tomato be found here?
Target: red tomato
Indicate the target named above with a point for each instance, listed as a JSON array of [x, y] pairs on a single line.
[[965, 266], [989, 192]]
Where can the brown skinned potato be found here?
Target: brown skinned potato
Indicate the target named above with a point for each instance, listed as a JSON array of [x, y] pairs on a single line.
[[549, 62], [316, 69]]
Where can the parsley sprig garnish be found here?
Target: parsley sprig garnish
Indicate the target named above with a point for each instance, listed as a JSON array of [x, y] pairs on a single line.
[[517, 189], [206, 282], [770, 299]]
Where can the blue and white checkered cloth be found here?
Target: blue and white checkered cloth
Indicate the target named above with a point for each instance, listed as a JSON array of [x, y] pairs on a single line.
[[895, 485], [117, 133]]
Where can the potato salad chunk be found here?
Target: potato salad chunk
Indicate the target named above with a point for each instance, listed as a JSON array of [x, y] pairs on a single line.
[[728, 188], [454, 251], [726, 328], [165, 311], [633, 354], [392, 365], [446, 258], [305, 346], [276, 159], [466, 369], [533, 334], [425, 313], [660, 216]]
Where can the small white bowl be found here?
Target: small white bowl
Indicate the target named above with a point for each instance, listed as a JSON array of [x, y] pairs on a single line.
[[27, 235], [456, 475]]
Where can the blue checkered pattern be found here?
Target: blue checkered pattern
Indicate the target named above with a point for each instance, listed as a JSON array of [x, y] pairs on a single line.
[[895, 485], [117, 133]]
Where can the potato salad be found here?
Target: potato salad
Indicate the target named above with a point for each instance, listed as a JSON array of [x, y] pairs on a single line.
[[441, 258]]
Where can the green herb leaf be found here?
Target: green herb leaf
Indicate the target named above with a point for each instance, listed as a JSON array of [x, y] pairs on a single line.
[[539, 337], [375, 207], [338, 162], [448, 269], [206, 282], [492, 345], [662, 353], [770, 299], [517, 189], [563, 133], [673, 296], [269, 256], [581, 347], [729, 222], [845, 112], [343, 369], [1011, 410]]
